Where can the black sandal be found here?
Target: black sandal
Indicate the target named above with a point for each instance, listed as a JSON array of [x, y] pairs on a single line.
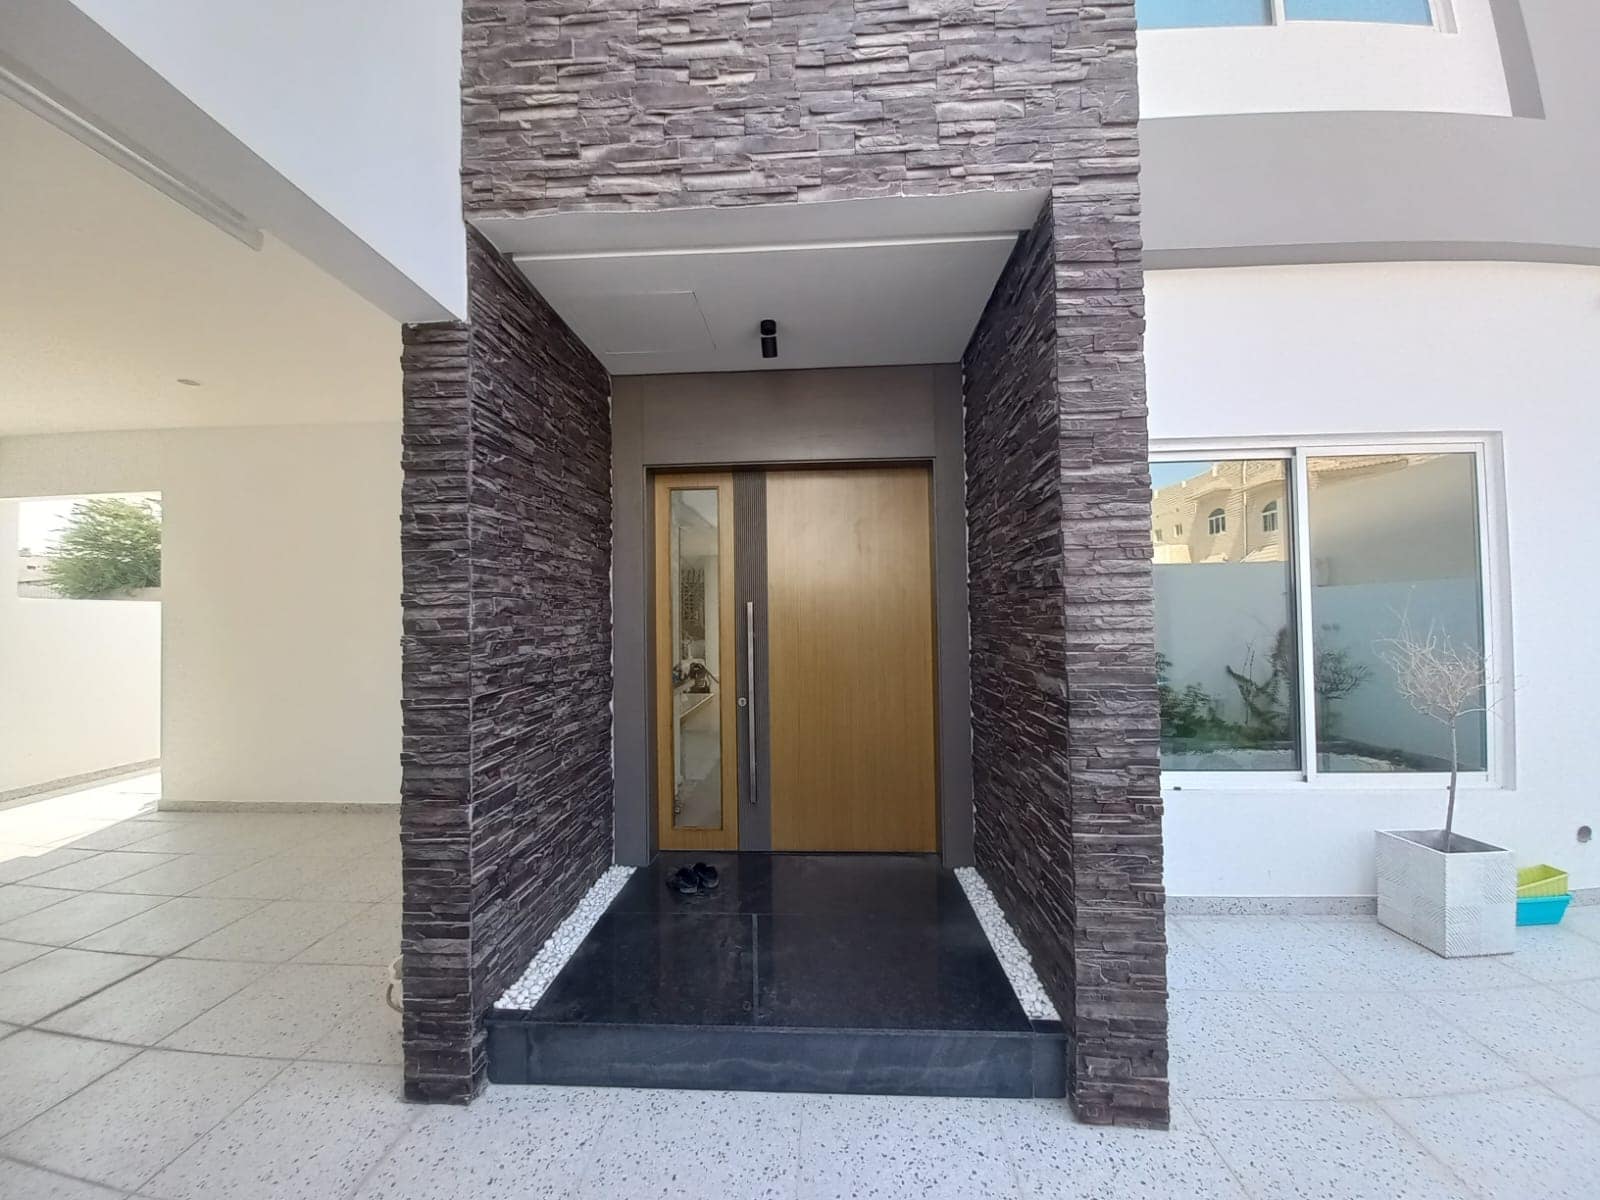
[[684, 881], [706, 876]]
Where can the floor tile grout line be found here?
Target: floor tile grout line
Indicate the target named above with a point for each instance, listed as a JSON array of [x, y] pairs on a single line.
[[5, 1156], [210, 1129], [1415, 1139], [1205, 1136], [88, 1083], [389, 1148], [139, 1052]]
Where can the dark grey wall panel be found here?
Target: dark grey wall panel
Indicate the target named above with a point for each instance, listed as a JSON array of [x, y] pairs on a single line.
[[750, 589], [869, 414]]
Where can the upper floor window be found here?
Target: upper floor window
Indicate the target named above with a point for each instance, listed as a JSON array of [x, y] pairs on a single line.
[[1269, 517], [1217, 522], [1195, 14], [1179, 14], [1393, 12]]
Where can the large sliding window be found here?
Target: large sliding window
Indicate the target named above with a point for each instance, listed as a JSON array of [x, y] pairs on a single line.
[[1276, 611]]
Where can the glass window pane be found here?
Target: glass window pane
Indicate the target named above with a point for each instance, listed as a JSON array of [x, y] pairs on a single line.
[[1178, 14], [696, 659], [1225, 637], [1394, 541], [1397, 12]]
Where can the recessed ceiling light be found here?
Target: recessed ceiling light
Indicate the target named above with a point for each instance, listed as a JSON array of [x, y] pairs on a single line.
[[190, 382]]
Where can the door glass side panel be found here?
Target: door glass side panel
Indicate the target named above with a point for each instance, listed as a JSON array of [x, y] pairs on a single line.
[[695, 658]]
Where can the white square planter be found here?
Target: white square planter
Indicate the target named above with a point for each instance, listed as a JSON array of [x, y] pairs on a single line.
[[1456, 904]]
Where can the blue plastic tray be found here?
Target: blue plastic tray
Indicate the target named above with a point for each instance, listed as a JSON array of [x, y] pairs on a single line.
[[1542, 910]]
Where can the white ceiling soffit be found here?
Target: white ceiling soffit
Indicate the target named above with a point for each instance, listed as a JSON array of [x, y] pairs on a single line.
[[111, 295], [850, 283]]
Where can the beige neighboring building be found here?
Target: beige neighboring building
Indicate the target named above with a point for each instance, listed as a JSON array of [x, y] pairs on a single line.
[[1233, 512]]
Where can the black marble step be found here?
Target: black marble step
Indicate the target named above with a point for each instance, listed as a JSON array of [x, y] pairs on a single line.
[[827, 973]]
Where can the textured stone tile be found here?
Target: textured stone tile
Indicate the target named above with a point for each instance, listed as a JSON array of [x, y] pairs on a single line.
[[293, 875], [275, 931], [78, 916], [1510, 1145], [145, 1008], [865, 1145], [23, 862], [39, 1069], [1058, 1158], [366, 1033], [1395, 1045], [283, 1013], [1585, 992], [169, 926], [315, 1130], [1239, 1047], [371, 938], [1534, 1028], [99, 870], [1552, 954], [18, 900], [533, 1141], [749, 1149], [1288, 1149], [126, 1126], [35, 1183], [12, 953], [1581, 1093], [184, 873], [123, 835], [62, 977]]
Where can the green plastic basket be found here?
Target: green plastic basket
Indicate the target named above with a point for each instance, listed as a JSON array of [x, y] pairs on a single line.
[[1541, 880]]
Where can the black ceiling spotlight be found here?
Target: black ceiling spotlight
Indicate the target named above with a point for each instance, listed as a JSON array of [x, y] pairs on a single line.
[[769, 338]]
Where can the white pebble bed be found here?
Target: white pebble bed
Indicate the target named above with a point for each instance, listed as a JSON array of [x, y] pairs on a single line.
[[1013, 957], [553, 955]]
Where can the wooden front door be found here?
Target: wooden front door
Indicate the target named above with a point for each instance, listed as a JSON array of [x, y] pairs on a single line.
[[841, 716], [850, 652]]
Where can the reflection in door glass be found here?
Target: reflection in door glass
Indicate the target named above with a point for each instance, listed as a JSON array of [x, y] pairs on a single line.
[[695, 660]]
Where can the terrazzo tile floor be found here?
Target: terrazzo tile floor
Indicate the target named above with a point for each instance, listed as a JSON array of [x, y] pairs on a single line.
[[191, 1007]]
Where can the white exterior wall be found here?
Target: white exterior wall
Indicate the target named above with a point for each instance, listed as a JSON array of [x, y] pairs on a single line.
[[355, 102], [1311, 66], [1510, 350], [281, 590], [80, 680]]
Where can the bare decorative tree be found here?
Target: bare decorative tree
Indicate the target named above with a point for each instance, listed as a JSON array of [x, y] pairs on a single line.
[[1442, 680]]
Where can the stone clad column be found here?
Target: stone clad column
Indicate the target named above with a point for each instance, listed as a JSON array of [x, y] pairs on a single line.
[[506, 750]]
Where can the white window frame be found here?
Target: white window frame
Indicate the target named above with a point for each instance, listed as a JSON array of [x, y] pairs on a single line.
[[1494, 597], [1440, 10]]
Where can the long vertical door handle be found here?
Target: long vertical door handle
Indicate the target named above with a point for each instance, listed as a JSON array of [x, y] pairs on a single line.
[[750, 689]]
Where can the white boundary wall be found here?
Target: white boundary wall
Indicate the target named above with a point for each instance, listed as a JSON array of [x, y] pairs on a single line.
[[80, 680], [281, 591]]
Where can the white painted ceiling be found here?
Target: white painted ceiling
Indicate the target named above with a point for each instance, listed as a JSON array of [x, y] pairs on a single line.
[[110, 293], [849, 283]]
